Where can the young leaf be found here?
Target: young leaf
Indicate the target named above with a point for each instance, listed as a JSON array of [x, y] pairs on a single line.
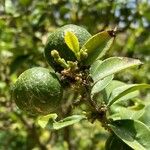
[[67, 122], [44, 120], [49, 121], [113, 65], [72, 41], [125, 90], [97, 46], [101, 84], [134, 133]]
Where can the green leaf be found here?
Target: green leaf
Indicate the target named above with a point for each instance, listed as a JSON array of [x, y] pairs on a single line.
[[127, 113], [17, 62], [145, 118], [44, 120], [101, 84], [11, 8], [113, 65], [2, 85], [67, 122], [114, 142], [94, 67], [25, 2], [97, 46], [125, 90], [50, 122], [72, 41], [127, 108], [108, 90], [134, 133]]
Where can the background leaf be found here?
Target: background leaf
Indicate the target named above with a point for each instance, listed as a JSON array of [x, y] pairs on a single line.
[[17, 62]]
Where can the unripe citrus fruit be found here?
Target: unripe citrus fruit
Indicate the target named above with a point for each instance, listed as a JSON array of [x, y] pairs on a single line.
[[37, 91], [56, 42]]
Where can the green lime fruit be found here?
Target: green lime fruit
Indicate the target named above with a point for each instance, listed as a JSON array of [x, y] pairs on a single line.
[[114, 143], [56, 41], [37, 91]]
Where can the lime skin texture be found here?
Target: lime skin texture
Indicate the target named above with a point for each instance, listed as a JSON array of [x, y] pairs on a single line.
[[37, 91]]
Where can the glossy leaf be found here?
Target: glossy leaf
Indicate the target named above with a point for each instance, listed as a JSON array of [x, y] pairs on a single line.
[[145, 118], [97, 46], [108, 90], [125, 90], [67, 122], [127, 113], [50, 122], [101, 84], [113, 65], [72, 41], [127, 108], [114, 142], [94, 66], [134, 133]]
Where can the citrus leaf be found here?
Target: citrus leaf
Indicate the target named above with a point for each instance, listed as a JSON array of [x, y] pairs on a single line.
[[101, 84], [114, 142], [67, 121], [145, 118], [134, 133], [72, 41], [127, 113], [44, 120], [113, 65], [94, 67], [124, 110], [97, 46], [49, 121], [108, 90], [125, 90]]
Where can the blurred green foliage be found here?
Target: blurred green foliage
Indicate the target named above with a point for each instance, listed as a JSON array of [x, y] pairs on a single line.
[[24, 28]]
